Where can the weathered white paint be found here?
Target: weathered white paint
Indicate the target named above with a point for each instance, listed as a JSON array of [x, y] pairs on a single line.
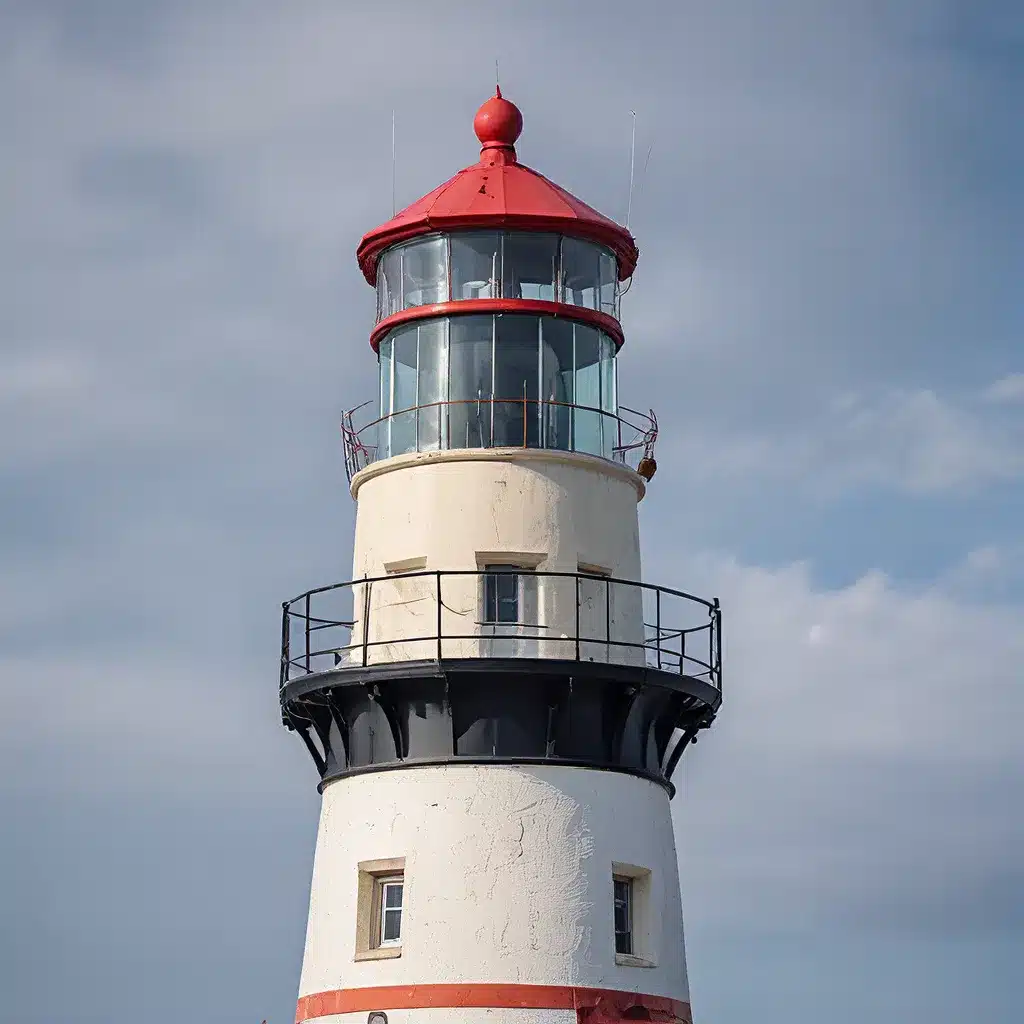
[[551, 511], [508, 880]]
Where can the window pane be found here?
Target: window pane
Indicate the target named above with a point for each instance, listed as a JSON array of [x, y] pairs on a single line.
[[393, 894], [501, 595], [385, 376], [476, 265], [609, 283], [391, 926], [516, 373], [530, 265], [609, 422], [424, 272], [581, 273], [587, 432], [469, 375], [389, 282], [403, 424], [623, 916], [433, 384], [556, 383]]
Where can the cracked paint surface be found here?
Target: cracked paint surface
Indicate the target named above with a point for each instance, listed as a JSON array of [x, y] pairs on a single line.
[[508, 878]]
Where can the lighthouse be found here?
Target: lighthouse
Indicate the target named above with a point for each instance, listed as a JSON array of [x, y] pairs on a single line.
[[497, 700]]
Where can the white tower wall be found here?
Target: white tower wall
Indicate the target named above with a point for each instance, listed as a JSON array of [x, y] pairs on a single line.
[[541, 510], [508, 883]]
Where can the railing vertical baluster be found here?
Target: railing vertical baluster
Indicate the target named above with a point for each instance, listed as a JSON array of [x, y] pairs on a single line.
[[307, 633], [285, 643], [608, 620], [577, 579], [366, 619], [716, 644], [439, 615], [682, 652], [657, 621]]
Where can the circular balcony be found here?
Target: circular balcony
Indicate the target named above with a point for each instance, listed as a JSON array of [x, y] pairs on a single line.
[[627, 437], [503, 665]]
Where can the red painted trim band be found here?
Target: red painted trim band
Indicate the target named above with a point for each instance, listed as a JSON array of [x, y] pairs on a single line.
[[593, 317], [594, 1005]]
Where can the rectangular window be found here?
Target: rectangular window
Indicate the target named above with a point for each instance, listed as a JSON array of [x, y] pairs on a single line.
[[501, 594], [623, 903], [391, 893], [380, 905]]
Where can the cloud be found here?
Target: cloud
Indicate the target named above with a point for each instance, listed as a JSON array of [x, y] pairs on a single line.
[[864, 760], [1009, 389], [915, 442]]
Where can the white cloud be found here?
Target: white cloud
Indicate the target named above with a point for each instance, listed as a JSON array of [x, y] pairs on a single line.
[[866, 757], [915, 442], [1009, 389]]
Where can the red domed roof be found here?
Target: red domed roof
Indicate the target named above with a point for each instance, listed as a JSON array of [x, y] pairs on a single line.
[[498, 192]]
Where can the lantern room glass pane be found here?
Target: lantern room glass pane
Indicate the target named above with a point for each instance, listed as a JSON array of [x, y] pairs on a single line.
[[581, 273], [403, 423], [433, 385], [425, 272], [389, 283], [556, 383], [471, 343], [588, 419], [609, 268], [476, 265], [530, 266], [516, 375]]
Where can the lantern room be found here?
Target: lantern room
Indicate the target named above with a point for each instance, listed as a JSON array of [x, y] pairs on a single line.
[[497, 317]]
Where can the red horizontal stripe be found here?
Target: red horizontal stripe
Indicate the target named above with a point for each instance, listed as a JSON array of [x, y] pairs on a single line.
[[592, 1004], [541, 307]]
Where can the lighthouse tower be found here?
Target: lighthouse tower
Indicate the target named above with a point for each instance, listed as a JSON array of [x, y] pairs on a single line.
[[496, 701]]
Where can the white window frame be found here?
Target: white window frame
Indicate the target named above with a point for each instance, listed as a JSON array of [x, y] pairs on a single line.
[[383, 885]]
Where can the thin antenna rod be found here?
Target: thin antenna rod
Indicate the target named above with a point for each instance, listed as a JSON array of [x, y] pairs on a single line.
[[497, 80], [632, 163], [394, 207]]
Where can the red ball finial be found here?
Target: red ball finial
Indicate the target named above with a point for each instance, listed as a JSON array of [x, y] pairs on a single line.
[[498, 123]]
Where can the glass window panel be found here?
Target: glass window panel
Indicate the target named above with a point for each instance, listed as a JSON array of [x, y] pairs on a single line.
[[404, 342], [389, 282], [516, 376], [609, 283], [476, 265], [425, 272], [385, 376], [393, 894], [622, 901], [556, 383], [469, 381], [588, 421], [433, 384], [501, 595], [581, 273], [530, 265]]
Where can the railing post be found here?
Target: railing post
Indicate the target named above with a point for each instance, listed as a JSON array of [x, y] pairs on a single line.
[[307, 634], [439, 615], [716, 641], [682, 653], [366, 619], [657, 620], [577, 631], [285, 644], [608, 619]]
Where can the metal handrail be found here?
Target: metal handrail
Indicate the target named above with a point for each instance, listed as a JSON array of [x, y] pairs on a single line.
[[632, 435], [664, 646]]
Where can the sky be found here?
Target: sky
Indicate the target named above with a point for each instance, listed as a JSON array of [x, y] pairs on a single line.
[[829, 205]]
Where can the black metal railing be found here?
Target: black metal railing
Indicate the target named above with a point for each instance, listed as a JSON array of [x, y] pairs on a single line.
[[625, 436], [433, 615]]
